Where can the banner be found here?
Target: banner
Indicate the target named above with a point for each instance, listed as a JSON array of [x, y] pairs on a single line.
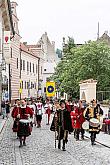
[[6, 47], [50, 89]]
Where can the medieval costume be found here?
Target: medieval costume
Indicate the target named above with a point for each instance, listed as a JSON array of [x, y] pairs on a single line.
[[73, 120], [24, 128], [93, 112], [16, 120], [38, 113], [48, 111], [69, 106], [79, 121], [62, 122]]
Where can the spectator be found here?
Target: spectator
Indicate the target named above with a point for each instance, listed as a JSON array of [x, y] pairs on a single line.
[[7, 106], [3, 109]]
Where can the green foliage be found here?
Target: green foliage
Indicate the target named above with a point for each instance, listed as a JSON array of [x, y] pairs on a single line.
[[91, 60]]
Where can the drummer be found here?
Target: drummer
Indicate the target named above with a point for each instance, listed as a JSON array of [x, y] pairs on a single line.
[[24, 130], [93, 112]]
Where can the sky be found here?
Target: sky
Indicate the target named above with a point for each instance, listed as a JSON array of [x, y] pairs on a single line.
[[62, 18]]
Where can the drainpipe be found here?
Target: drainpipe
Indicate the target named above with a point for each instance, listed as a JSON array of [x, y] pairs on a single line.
[[38, 74], [20, 74]]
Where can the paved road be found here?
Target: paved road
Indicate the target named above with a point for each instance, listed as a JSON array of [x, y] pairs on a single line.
[[40, 150]]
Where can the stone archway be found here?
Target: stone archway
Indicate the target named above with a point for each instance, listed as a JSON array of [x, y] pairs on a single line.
[[83, 97], [88, 90]]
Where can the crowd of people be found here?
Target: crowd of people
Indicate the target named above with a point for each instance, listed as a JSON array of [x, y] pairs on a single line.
[[68, 117]]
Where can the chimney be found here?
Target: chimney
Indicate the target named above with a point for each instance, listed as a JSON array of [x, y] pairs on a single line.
[[25, 43]]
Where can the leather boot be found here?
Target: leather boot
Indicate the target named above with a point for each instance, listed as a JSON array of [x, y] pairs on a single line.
[[59, 145], [20, 142], [63, 148]]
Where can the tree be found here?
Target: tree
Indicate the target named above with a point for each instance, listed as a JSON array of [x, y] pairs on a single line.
[[91, 60]]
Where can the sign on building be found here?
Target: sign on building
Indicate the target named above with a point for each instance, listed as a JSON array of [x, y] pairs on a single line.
[[50, 89], [6, 47]]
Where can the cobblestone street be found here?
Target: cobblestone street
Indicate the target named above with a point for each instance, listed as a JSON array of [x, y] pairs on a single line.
[[40, 149]]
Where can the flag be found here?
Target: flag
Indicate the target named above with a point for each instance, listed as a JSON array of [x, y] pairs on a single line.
[[50, 89]]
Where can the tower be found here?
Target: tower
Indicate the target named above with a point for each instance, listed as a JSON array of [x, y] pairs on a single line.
[[14, 17]]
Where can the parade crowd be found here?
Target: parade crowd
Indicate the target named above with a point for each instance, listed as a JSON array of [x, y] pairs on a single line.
[[68, 117]]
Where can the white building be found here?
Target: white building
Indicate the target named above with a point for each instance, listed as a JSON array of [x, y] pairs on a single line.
[[50, 59], [29, 72], [45, 50]]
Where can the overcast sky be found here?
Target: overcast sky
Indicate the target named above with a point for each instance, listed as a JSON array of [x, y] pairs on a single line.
[[62, 18]]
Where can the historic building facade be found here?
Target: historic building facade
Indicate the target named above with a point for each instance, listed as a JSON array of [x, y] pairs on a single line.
[[6, 24], [24, 67], [45, 49], [15, 56], [28, 72]]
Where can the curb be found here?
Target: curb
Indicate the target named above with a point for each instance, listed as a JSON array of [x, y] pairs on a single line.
[[99, 142], [2, 125]]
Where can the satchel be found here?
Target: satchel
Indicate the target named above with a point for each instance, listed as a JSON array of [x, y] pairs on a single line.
[[52, 127]]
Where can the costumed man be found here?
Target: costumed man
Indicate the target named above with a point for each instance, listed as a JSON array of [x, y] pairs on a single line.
[[24, 128], [38, 112], [69, 105], [64, 125], [93, 114], [48, 110], [16, 120], [79, 121]]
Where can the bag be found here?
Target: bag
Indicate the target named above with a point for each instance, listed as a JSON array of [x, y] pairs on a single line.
[[52, 127]]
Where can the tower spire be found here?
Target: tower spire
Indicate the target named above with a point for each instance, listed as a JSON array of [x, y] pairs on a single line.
[[98, 32]]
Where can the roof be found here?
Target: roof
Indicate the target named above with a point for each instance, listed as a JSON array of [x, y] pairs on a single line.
[[105, 37], [34, 46], [88, 81], [26, 49]]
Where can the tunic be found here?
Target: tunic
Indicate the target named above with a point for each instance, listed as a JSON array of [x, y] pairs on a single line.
[[24, 129]]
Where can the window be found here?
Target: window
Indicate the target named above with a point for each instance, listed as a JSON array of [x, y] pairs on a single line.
[[35, 85], [23, 64], [44, 89], [22, 84], [27, 66], [36, 68], [31, 85], [30, 66], [25, 84], [11, 53], [33, 68], [17, 63]]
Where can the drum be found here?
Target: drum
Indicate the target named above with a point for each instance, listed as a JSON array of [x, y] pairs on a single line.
[[101, 121], [94, 122], [85, 125], [24, 121]]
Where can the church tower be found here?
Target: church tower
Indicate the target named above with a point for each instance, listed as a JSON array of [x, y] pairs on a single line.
[[14, 17]]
